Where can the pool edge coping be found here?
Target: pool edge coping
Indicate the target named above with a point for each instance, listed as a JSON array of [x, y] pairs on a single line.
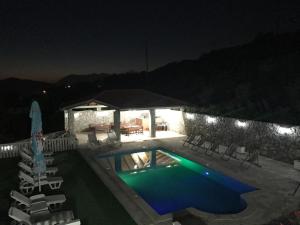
[[248, 211], [250, 215]]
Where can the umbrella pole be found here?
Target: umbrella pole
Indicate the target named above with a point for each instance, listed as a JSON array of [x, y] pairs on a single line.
[[40, 183]]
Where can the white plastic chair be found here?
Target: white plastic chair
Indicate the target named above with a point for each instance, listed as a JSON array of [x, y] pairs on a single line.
[[51, 201], [28, 183], [29, 170]]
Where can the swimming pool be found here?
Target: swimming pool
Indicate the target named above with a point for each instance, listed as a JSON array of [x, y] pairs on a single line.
[[169, 182]]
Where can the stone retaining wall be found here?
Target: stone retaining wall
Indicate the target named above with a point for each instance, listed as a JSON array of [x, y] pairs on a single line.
[[273, 140]]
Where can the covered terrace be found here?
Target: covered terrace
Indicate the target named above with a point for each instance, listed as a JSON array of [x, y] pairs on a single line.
[[133, 114]]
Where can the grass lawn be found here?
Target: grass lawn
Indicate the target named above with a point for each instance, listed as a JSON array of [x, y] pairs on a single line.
[[87, 196]]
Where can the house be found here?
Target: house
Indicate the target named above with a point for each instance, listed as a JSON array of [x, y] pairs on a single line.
[[133, 114]]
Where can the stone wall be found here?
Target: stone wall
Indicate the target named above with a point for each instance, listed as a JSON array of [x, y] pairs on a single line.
[[272, 140], [173, 118], [84, 118]]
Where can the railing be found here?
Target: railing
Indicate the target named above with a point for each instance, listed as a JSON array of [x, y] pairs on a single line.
[[59, 144], [11, 150]]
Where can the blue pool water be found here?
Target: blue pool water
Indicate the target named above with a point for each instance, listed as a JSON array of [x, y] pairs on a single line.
[[186, 184]]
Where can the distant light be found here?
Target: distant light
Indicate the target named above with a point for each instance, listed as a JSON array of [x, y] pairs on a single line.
[[206, 173], [44, 92], [190, 116], [68, 86], [211, 120], [284, 130], [168, 166], [241, 124]]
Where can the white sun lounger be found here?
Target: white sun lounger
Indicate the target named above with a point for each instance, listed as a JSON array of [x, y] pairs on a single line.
[[195, 141], [112, 139], [29, 152], [58, 218], [28, 183], [36, 202], [29, 160], [28, 169]]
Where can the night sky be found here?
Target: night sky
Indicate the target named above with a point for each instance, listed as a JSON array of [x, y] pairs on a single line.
[[46, 40]]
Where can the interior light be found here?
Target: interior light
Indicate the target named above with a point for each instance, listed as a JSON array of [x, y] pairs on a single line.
[[76, 115], [102, 113]]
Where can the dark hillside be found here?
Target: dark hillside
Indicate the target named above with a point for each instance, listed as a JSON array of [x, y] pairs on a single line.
[[259, 80]]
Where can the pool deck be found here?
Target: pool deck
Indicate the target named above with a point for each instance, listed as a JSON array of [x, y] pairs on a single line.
[[275, 180]]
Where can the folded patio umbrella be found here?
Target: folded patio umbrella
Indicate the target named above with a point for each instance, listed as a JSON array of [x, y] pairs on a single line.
[[39, 165]]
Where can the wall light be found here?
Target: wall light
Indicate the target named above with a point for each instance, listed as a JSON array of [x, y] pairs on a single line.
[[211, 120], [241, 124], [76, 115], [190, 116], [284, 130]]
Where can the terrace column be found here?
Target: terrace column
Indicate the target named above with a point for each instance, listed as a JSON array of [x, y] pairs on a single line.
[[71, 121], [153, 158], [117, 122], [118, 163], [152, 122]]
